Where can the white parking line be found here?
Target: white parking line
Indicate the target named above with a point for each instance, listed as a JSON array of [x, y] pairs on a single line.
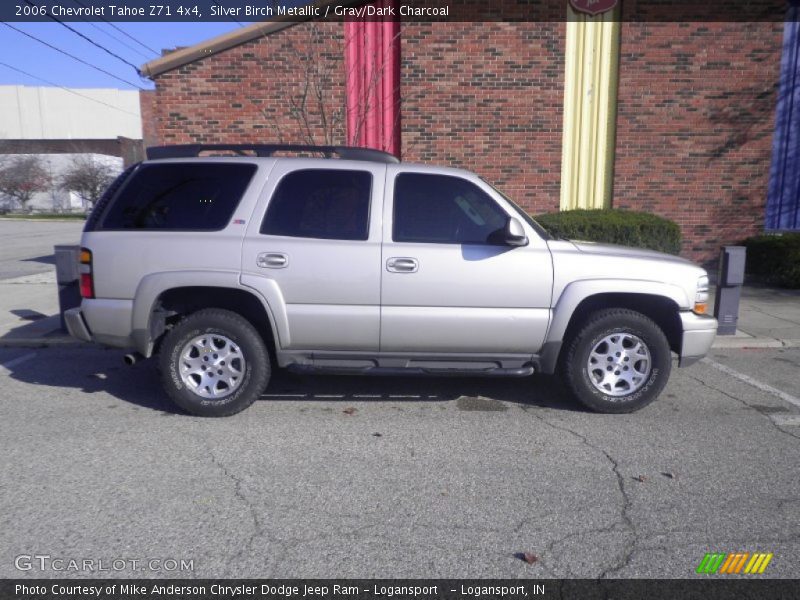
[[754, 382], [5, 368]]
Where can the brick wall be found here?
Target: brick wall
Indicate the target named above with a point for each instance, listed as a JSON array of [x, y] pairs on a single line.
[[695, 125], [254, 92], [696, 105], [487, 97], [150, 128]]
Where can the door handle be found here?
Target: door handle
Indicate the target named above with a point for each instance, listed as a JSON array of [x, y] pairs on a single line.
[[272, 260], [402, 264]]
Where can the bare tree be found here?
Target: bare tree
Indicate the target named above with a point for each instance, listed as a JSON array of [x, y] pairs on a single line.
[[22, 176], [87, 177], [313, 107]]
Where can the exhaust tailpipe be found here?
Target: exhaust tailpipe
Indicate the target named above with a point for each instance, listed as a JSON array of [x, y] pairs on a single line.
[[132, 358]]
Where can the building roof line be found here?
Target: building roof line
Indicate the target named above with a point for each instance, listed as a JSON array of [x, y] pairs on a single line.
[[220, 43]]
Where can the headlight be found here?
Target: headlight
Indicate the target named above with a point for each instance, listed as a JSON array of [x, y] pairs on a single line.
[[701, 296]]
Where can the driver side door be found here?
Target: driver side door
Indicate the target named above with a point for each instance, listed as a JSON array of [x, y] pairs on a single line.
[[450, 284]]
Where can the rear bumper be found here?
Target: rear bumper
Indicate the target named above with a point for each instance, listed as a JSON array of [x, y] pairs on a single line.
[[699, 332], [103, 321], [76, 326]]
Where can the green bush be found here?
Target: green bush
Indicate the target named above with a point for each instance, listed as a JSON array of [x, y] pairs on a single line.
[[623, 227], [775, 259]]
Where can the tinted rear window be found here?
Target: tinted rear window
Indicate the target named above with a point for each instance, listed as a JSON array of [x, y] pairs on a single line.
[[329, 204], [180, 196]]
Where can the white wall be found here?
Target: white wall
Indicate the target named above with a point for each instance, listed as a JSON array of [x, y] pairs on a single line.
[[47, 113]]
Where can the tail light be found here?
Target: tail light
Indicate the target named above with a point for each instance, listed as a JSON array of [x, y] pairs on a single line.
[[87, 277]]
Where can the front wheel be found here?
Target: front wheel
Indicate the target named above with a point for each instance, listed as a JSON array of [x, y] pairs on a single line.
[[214, 363], [618, 362]]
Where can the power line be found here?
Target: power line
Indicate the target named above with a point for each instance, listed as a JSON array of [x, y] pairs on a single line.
[[113, 37], [87, 38], [119, 41], [126, 34], [72, 56], [67, 89], [122, 31]]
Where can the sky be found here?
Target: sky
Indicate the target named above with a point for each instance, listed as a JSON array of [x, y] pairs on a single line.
[[53, 68]]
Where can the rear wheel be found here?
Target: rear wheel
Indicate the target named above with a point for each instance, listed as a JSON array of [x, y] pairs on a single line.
[[214, 363], [619, 361]]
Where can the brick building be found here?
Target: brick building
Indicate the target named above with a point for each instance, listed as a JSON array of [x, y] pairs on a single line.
[[675, 118]]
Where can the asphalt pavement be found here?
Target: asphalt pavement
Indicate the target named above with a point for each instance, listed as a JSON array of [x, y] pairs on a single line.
[[388, 477], [27, 246], [398, 477]]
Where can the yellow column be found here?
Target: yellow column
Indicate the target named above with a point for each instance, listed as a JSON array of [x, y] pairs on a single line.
[[590, 109]]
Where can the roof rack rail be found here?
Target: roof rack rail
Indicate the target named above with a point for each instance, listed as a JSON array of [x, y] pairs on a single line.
[[343, 152]]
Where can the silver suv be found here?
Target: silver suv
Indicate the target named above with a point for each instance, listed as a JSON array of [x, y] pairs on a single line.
[[229, 266]]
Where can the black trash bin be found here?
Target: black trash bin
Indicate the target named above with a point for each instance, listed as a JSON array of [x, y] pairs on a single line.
[[67, 278]]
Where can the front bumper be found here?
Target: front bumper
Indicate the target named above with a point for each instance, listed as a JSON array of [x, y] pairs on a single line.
[[699, 332]]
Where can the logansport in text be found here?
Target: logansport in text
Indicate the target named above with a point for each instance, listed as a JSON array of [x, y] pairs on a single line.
[[284, 590]]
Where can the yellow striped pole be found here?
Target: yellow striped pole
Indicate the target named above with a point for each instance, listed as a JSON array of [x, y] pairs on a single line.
[[590, 109]]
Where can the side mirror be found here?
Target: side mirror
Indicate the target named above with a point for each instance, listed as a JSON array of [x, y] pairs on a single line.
[[515, 233]]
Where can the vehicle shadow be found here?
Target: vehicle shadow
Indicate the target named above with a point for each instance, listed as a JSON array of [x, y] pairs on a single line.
[[47, 259], [32, 325], [537, 390], [92, 370], [89, 370]]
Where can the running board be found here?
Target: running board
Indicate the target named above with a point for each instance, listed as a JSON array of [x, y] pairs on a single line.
[[403, 372]]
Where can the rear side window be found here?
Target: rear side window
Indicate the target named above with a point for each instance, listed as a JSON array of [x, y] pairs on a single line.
[[320, 203], [94, 216], [180, 196]]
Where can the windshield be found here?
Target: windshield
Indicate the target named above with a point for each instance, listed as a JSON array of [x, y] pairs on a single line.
[[523, 215]]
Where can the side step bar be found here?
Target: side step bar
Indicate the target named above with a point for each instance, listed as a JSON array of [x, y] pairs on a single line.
[[399, 371]]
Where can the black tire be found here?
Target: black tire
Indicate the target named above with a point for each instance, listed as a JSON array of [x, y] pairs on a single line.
[[575, 368], [248, 345]]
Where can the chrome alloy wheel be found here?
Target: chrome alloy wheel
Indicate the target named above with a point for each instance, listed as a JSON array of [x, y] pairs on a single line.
[[619, 364], [212, 366]]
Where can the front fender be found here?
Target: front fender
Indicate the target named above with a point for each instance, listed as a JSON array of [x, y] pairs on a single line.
[[578, 291]]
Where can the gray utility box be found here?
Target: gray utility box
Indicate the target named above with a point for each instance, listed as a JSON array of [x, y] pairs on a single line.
[[729, 288], [67, 278]]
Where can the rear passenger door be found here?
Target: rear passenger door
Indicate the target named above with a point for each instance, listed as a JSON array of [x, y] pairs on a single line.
[[313, 250]]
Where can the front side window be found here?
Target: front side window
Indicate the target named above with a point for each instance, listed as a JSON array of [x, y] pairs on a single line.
[[441, 209], [320, 203], [180, 196]]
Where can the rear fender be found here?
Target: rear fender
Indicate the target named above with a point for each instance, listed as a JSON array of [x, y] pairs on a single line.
[[145, 324]]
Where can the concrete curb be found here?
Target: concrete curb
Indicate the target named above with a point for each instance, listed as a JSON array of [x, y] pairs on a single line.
[[41, 342], [725, 342], [44, 220]]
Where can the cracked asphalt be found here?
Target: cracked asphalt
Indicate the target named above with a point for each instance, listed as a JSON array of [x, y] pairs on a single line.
[[426, 477]]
